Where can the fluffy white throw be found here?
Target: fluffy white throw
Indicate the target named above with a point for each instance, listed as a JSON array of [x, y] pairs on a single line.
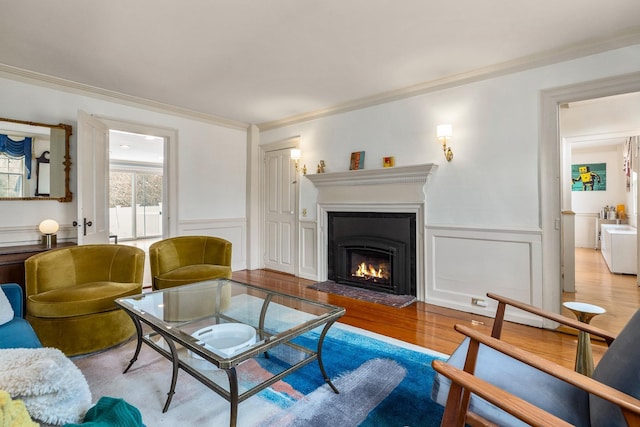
[[51, 386]]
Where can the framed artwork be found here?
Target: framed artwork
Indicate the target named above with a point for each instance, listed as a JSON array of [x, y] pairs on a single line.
[[388, 162], [357, 160], [589, 177]]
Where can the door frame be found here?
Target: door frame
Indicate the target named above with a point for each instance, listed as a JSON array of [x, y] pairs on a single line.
[[170, 166], [293, 142], [550, 172]]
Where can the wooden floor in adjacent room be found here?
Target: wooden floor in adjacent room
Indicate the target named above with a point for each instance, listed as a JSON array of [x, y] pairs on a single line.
[[432, 327]]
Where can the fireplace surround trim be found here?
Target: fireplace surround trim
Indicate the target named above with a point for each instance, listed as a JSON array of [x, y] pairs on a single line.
[[399, 189]]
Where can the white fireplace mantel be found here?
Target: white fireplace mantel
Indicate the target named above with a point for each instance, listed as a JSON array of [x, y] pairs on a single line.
[[403, 174], [398, 189]]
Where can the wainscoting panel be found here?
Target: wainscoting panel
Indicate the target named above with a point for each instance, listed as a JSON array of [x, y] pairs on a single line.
[[463, 264], [308, 250], [17, 236], [234, 230]]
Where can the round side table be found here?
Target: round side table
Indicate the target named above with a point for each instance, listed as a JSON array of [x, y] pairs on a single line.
[[584, 312]]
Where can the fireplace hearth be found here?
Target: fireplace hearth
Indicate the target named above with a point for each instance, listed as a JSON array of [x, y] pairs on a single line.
[[373, 250]]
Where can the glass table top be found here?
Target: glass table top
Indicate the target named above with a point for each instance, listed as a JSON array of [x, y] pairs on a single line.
[[215, 319]]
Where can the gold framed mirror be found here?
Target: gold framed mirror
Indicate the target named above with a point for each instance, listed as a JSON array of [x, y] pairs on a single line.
[[24, 173]]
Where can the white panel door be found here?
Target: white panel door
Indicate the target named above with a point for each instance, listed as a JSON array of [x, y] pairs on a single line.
[[93, 184], [280, 212]]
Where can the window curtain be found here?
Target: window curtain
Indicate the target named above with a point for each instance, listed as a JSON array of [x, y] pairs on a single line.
[[17, 149]]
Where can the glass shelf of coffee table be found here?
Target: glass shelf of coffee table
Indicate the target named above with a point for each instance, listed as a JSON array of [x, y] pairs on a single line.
[[289, 333]]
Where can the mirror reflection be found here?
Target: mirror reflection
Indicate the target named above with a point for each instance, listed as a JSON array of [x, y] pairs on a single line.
[[34, 161]]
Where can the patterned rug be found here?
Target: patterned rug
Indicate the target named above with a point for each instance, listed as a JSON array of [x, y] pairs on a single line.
[[392, 300], [382, 382]]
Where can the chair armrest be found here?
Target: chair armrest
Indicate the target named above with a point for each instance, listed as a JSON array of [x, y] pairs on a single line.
[[503, 302], [519, 408], [629, 405]]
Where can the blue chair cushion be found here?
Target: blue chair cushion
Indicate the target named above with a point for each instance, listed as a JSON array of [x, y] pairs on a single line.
[[545, 391], [619, 368], [17, 333]]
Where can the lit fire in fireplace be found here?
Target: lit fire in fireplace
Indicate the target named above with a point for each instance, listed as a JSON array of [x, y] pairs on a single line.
[[370, 272]]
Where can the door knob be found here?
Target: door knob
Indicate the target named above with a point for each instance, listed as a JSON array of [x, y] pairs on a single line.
[[84, 225]]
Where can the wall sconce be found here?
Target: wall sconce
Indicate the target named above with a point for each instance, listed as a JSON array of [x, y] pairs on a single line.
[[295, 155], [444, 132], [48, 227]]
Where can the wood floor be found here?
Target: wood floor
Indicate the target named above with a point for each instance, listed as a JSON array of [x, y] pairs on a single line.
[[432, 327]]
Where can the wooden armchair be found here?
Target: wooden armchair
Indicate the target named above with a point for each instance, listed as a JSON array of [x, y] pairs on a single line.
[[488, 382]]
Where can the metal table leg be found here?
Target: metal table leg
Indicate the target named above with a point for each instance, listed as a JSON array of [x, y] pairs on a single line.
[[320, 342], [233, 391], [138, 326], [174, 379]]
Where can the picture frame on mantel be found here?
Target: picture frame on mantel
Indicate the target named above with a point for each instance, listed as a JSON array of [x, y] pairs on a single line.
[[357, 161], [388, 162]]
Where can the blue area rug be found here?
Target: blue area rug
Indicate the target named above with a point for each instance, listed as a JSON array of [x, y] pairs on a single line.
[[388, 380], [382, 382]]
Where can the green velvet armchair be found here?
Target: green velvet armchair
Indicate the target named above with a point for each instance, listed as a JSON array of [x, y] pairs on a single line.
[[71, 291], [188, 259]]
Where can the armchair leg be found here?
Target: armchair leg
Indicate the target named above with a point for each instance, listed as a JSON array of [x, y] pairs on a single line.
[[499, 320]]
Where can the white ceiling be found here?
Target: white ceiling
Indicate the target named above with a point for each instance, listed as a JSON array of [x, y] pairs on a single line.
[[258, 61], [133, 147]]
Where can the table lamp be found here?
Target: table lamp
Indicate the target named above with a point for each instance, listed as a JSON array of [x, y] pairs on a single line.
[[49, 227]]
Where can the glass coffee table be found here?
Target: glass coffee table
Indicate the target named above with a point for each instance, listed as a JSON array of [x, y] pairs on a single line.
[[216, 325]]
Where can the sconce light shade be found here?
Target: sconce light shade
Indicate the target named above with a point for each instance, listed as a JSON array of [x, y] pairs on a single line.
[[443, 132], [295, 155], [48, 226]]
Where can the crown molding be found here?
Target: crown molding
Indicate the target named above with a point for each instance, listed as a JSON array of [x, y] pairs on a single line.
[[26, 76], [618, 40]]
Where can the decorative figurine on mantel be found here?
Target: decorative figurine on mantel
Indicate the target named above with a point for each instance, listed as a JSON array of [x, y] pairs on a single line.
[[320, 167]]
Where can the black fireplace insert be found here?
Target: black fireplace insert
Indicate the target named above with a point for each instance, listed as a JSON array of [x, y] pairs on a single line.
[[373, 250]]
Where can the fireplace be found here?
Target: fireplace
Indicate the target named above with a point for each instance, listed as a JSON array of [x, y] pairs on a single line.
[[401, 189], [373, 250]]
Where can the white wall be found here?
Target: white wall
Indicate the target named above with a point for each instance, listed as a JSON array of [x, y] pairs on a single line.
[[492, 184], [587, 204], [211, 167]]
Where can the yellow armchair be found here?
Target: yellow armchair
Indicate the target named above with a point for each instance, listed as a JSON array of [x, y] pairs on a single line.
[[188, 259], [71, 291]]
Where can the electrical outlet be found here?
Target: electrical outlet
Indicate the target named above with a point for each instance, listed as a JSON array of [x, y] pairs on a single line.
[[304, 212], [479, 302]]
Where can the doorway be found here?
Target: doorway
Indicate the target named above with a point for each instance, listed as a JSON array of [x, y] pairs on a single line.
[[551, 151], [136, 168], [280, 207], [136, 190]]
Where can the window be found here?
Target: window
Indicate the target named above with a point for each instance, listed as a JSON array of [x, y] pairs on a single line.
[[12, 176]]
